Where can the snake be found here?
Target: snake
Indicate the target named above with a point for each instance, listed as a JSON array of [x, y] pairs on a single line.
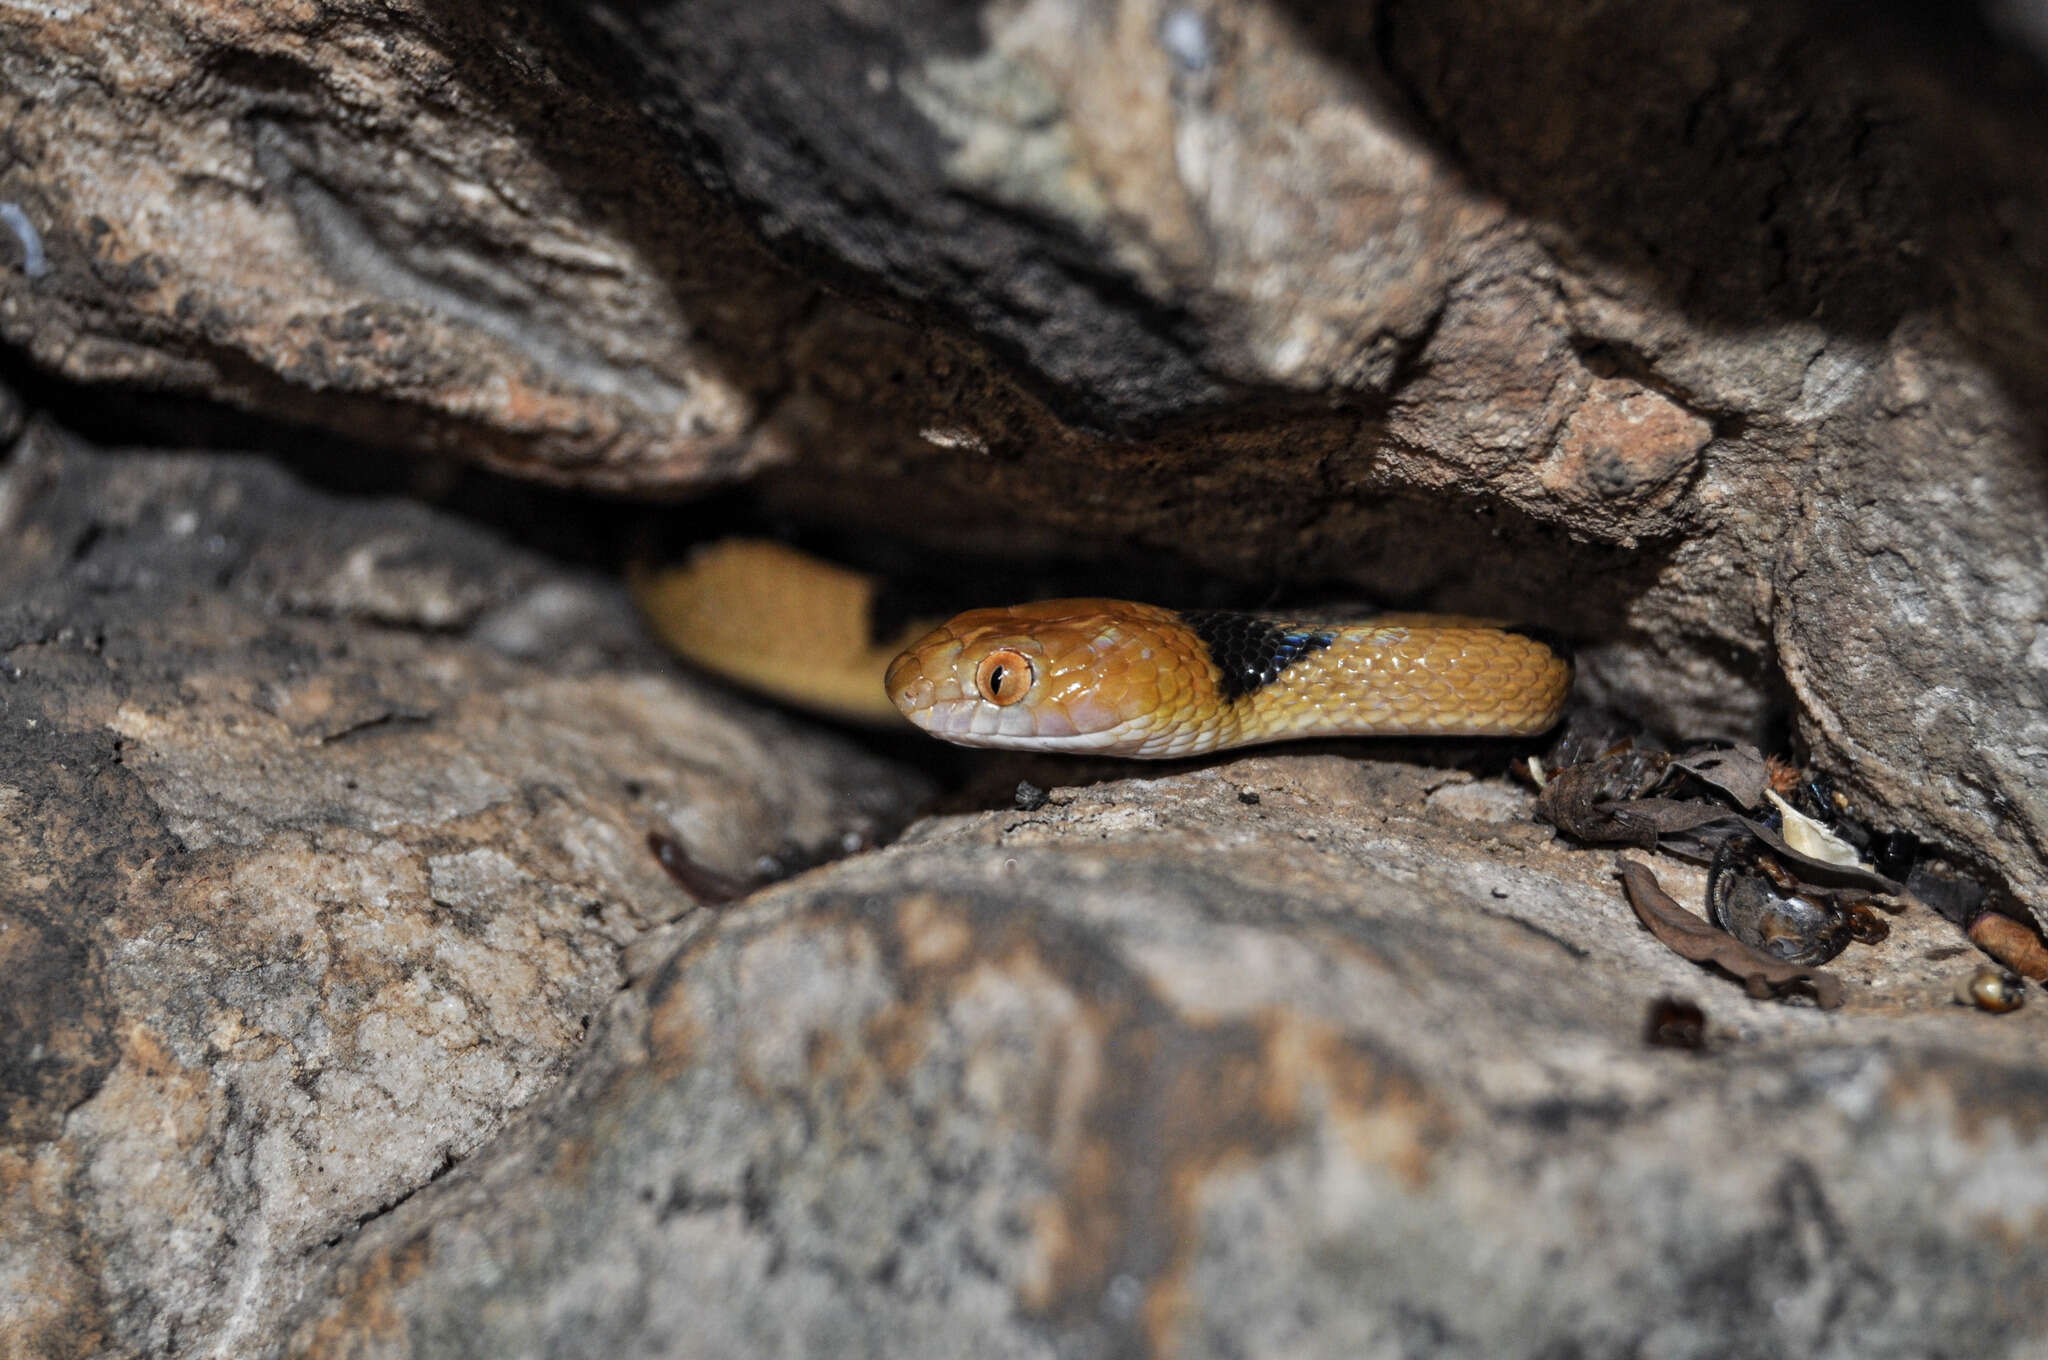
[[777, 621], [1101, 676], [1117, 678]]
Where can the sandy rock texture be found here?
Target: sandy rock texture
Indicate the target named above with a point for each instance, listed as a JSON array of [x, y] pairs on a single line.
[[1730, 365], [324, 840], [1155, 1070]]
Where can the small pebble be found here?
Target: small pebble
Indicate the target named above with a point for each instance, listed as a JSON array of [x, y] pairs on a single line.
[[33, 262], [1674, 1022], [1992, 989], [1185, 36]]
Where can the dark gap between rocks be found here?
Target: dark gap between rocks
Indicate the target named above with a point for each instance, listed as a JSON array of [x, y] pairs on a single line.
[[602, 533]]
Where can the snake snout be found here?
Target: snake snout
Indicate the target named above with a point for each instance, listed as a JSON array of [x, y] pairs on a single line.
[[907, 685]]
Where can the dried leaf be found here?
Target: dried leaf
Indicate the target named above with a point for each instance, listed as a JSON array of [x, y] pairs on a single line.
[[708, 886], [1671, 815], [1820, 870], [1690, 937], [1590, 731], [1573, 800], [1737, 771], [1591, 802], [1703, 843], [1615, 777], [1812, 839]]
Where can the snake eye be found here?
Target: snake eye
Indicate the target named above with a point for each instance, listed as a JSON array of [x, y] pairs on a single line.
[[1004, 677]]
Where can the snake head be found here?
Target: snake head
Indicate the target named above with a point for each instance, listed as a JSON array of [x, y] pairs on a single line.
[[1060, 675]]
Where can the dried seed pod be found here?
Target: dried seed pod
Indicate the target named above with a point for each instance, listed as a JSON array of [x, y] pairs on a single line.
[[2012, 944], [1992, 989], [1792, 927]]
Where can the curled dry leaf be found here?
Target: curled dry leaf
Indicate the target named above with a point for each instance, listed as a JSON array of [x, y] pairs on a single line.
[[1574, 801], [708, 886], [1690, 937], [1737, 771], [1580, 801], [1823, 871]]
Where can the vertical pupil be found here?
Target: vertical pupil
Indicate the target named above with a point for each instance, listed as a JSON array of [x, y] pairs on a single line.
[[996, 677]]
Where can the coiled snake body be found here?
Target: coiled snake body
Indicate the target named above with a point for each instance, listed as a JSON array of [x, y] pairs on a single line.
[[1114, 678]]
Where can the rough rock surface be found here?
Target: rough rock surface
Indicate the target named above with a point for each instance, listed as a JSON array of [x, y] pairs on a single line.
[[1707, 332], [324, 834], [1732, 368], [348, 1014], [1155, 1070]]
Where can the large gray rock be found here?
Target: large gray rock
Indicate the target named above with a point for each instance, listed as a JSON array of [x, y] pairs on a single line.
[[1707, 333], [1355, 1070], [348, 1013], [324, 831]]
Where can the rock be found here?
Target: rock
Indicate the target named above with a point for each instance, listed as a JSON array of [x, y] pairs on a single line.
[[351, 1012], [1707, 334], [306, 890], [1390, 295], [1154, 1071]]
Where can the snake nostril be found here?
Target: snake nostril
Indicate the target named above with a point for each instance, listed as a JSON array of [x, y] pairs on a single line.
[[902, 673]]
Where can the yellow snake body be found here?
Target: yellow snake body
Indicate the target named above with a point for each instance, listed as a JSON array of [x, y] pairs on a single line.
[[778, 621], [1114, 678], [1101, 676]]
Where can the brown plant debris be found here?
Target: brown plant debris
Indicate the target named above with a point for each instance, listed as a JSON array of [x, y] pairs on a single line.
[[2012, 944], [1673, 1022], [1737, 771], [1689, 936], [1614, 800], [708, 886]]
